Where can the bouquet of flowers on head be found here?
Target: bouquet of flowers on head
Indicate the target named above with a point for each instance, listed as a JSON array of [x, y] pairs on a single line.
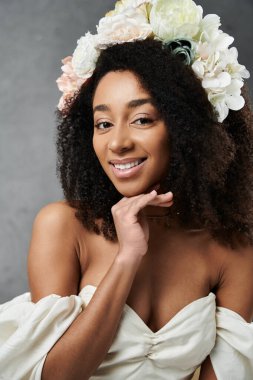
[[181, 27]]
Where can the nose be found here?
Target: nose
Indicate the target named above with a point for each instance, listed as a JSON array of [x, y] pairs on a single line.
[[120, 139]]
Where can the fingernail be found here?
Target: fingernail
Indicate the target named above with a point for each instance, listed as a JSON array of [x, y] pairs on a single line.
[[153, 192]]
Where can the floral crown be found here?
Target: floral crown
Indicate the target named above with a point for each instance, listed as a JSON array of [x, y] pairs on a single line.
[[180, 25]]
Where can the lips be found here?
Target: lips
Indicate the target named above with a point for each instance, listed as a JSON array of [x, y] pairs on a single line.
[[127, 173]]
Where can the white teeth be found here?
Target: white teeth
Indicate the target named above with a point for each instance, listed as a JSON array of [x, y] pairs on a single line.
[[128, 165]]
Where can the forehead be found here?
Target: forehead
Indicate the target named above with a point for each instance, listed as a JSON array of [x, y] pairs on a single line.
[[118, 86]]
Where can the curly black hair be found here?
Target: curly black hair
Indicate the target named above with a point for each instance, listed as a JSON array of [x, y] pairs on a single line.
[[211, 163]]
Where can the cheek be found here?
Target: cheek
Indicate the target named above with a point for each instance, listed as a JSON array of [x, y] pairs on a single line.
[[161, 141], [98, 147]]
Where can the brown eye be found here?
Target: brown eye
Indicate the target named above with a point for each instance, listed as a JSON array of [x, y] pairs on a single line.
[[102, 125], [143, 121]]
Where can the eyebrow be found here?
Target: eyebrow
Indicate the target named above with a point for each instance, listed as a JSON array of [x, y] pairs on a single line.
[[132, 104]]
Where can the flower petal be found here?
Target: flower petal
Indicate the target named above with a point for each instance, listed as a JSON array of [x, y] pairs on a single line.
[[210, 26], [223, 41], [175, 19], [222, 80], [222, 111], [235, 103]]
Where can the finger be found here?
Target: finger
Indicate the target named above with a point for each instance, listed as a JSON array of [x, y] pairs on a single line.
[[165, 196], [154, 198], [161, 198], [139, 203], [167, 204], [140, 195]]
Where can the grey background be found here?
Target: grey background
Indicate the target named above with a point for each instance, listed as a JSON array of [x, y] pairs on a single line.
[[34, 37]]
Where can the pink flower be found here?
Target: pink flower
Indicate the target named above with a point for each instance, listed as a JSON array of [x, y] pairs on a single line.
[[68, 82]]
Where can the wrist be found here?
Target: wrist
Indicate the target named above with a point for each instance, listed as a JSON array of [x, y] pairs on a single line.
[[125, 260]]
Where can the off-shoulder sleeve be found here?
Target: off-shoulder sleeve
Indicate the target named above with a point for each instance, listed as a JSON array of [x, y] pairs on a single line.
[[232, 355], [29, 330]]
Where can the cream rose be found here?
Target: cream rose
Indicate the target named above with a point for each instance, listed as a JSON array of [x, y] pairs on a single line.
[[175, 19], [129, 25], [85, 56]]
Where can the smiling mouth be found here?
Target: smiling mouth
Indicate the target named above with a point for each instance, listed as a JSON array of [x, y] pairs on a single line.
[[129, 169], [129, 165]]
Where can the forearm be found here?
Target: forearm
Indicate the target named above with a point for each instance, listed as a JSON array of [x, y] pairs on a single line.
[[84, 345]]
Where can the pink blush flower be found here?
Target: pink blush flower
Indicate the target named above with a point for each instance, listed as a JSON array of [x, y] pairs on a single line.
[[68, 82]]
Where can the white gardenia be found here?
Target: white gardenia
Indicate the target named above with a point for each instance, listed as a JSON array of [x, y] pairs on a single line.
[[85, 56], [175, 19], [130, 25]]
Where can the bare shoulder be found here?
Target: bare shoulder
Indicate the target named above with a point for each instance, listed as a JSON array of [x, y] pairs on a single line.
[[53, 260], [235, 290], [57, 219], [58, 210]]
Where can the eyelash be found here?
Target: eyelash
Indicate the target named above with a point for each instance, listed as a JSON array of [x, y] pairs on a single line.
[[147, 121]]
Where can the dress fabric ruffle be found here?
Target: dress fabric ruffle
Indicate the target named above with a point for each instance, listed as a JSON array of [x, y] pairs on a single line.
[[29, 330], [232, 355]]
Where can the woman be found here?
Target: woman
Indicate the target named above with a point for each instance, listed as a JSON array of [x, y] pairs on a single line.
[[144, 270]]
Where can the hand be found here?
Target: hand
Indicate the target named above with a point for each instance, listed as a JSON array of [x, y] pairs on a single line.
[[131, 223]]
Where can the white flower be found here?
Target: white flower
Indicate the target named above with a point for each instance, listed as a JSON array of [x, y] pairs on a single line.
[[229, 98], [175, 19], [85, 56], [217, 66], [229, 59], [129, 25], [221, 75], [219, 81], [170, 21], [209, 27], [220, 42]]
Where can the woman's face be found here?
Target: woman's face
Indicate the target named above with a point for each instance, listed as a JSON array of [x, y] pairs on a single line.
[[128, 128]]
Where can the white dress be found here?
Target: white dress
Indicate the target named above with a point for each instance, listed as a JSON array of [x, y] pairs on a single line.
[[28, 331]]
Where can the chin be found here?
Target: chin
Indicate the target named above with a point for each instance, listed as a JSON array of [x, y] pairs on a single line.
[[129, 193], [132, 191]]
